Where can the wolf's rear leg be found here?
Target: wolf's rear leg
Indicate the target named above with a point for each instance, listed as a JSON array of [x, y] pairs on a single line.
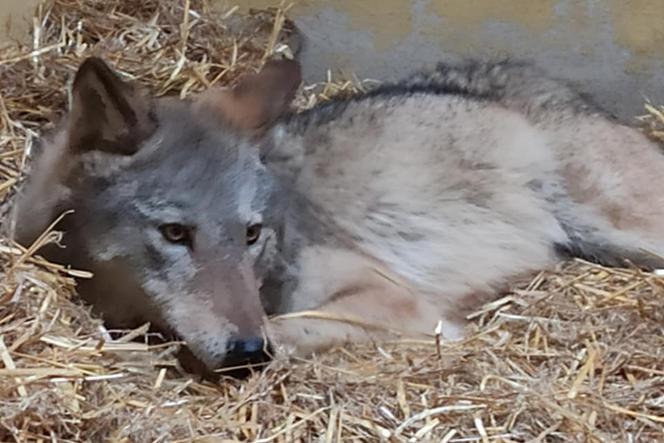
[[614, 180]]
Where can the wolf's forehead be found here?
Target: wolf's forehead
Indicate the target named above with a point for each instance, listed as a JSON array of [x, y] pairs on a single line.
[[159, 207], [196, 165], [235, 190]]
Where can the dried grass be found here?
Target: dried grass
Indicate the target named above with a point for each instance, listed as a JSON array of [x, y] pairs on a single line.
[[653, 122], [574, 355]]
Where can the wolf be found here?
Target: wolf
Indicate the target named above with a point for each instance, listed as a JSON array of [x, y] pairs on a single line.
[[248, 229]]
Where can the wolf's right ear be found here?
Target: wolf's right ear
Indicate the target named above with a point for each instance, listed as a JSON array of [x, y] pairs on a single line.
[[107, 113], [258, 99]]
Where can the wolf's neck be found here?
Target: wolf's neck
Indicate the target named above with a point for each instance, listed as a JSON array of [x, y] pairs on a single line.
[[302, 225]]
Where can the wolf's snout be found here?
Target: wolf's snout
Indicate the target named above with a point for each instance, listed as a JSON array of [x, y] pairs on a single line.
[[242, 357], [247, 351]]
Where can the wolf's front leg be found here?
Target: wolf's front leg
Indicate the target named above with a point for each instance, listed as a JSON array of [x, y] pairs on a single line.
[[358, 314]]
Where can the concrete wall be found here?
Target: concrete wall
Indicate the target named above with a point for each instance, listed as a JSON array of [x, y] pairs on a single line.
[[16, 19], [614, 49]]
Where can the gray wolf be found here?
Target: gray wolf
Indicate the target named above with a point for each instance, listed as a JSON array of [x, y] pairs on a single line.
[[227, 218]]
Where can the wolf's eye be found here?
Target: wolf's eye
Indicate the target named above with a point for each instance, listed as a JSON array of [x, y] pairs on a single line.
[[253, 233], [176, 233]]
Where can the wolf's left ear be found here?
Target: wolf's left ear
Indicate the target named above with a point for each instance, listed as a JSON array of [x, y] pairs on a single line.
[[258, 99]]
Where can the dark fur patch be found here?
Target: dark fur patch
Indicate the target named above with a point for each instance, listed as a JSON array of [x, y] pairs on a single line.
[[582, 245], [472, 79], [155, 256]]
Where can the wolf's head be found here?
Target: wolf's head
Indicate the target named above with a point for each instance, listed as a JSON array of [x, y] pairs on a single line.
[[174, 212]]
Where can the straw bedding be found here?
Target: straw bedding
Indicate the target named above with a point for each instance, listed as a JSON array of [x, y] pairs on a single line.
[[573, 355]]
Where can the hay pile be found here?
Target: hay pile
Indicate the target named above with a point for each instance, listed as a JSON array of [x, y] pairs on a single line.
[[574, 355]]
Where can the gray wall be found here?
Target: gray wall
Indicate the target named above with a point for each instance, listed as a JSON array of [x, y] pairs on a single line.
[[614, 49]]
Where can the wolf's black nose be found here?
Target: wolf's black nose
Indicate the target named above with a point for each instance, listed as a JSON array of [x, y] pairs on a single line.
[[247, 351]]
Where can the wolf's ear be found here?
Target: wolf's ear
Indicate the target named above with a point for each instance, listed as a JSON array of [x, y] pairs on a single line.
[[258, 99], [107, 114]]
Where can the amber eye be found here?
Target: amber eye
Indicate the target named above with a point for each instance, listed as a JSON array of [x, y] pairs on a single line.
[[176, 233], [253, 233]]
